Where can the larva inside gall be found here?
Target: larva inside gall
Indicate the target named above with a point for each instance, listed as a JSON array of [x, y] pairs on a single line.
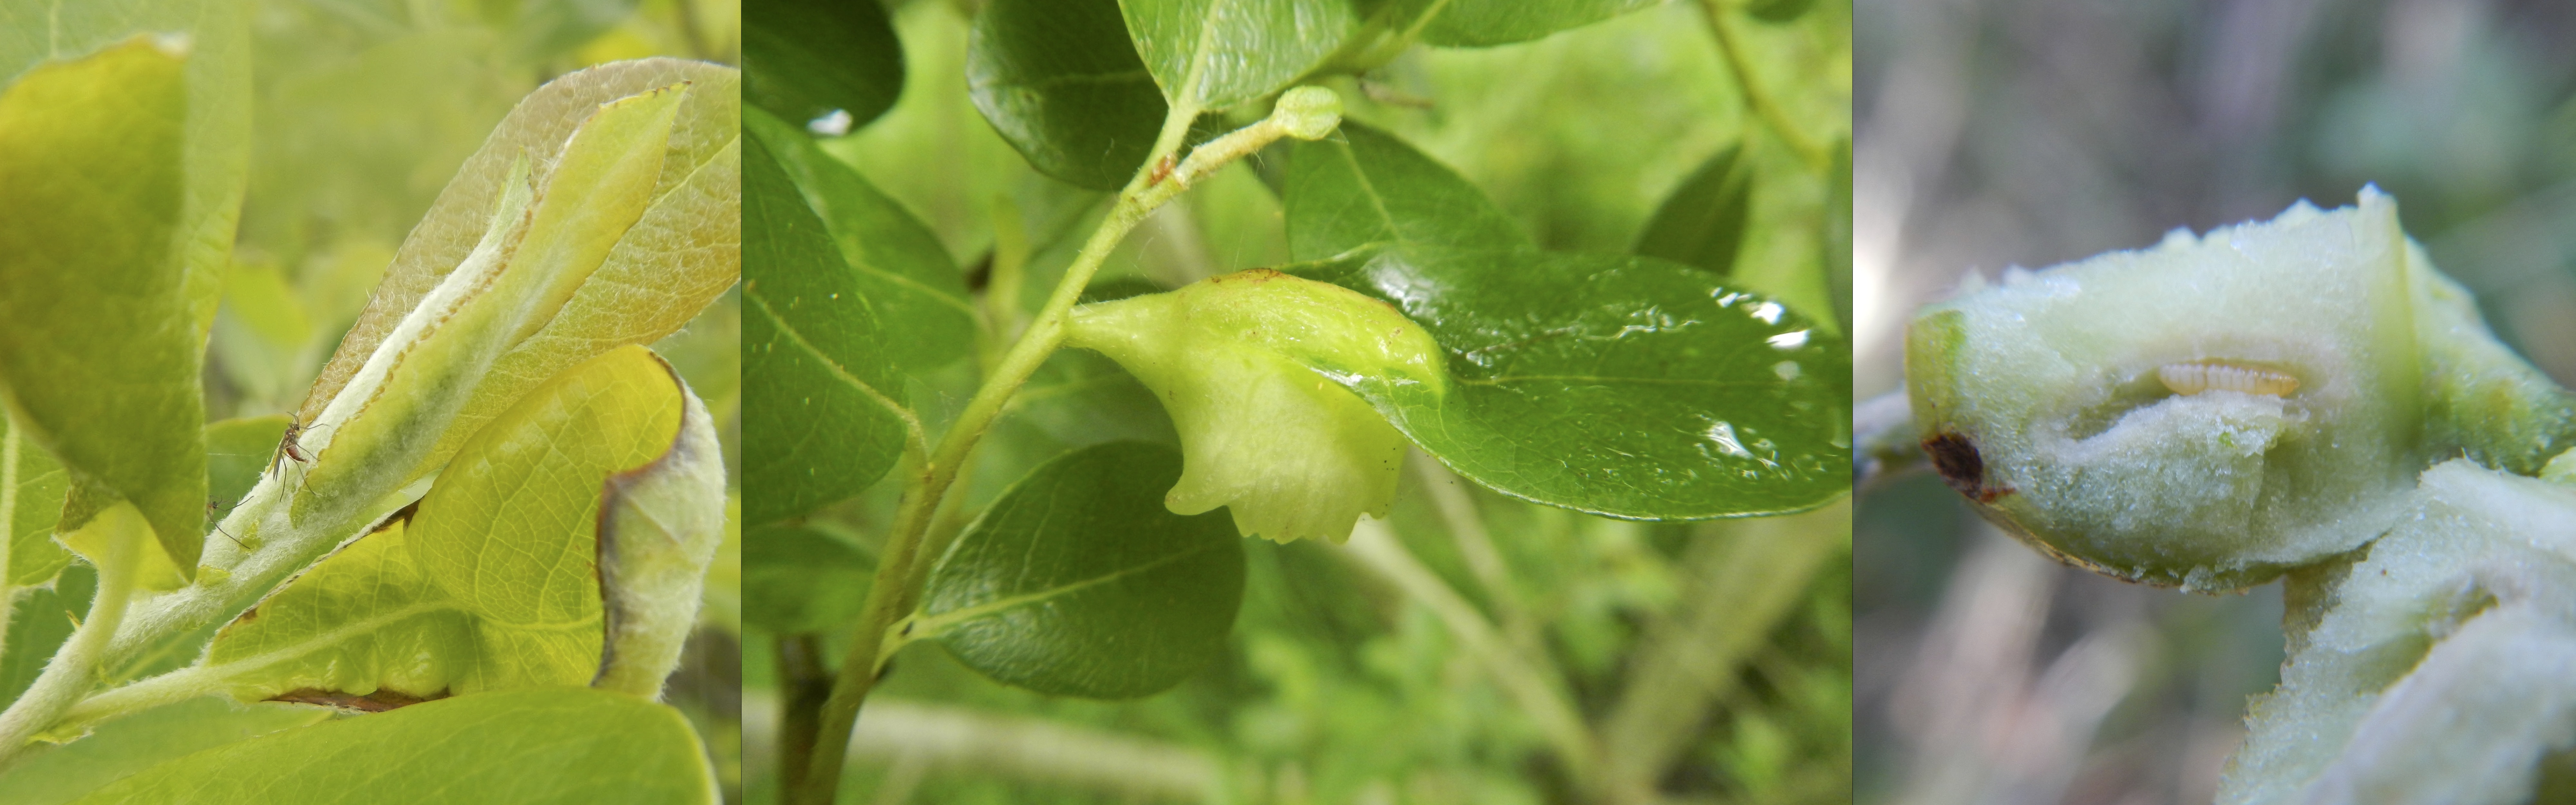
[[2199, 376]]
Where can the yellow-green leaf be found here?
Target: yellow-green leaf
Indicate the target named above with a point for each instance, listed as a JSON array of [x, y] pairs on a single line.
[[528, 746], [491, 582], [99, 353]]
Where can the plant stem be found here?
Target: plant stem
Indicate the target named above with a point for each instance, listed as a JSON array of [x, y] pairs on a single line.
[[75, 667], [804, 683], [1754, 96], [896, 586]]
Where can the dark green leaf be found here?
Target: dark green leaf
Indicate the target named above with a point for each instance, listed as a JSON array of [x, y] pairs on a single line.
[[902, 270], [1481, 23], [1077, 398], [1364, 186], [531, 745], [1702, 222], [1212, 54], [797, 580], [803, 60], [38, 624], [819, 418], [1622, 386], [1078, 582], [1060, 82]]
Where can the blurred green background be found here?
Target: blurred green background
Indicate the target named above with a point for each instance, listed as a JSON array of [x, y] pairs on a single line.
[[362, 111], [1337, 686], [2032, 132]]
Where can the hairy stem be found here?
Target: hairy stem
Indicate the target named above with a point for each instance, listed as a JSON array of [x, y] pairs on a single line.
[[74, 669], [896, 588], [1728, 46]]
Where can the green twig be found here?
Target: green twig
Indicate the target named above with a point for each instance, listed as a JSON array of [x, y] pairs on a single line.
[[1755, 97], [1308, 115], [74, 669]]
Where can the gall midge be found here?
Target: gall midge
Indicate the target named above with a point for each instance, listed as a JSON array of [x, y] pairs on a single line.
[[2199, 376], [290, 445], [1162, 170]]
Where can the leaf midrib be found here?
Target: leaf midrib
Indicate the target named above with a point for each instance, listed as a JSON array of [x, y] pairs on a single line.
[[933, 625], [838, 371]]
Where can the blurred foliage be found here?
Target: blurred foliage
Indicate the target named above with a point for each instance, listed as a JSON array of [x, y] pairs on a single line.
[[1337, 686], [2018, 132], [363, 110]]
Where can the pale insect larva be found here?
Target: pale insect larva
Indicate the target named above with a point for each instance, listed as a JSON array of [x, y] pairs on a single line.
[[2195, 377]]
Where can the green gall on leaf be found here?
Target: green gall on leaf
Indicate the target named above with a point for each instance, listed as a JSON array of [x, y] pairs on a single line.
[[2214, 410], [2432, 666], [1308, 113], [659, 527], [1254, 368]]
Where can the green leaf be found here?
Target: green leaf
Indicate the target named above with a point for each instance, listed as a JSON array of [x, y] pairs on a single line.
[[901, 268], [218, 88], [92, 204], [32, 487], [541, 745], [1365, 186], [491, 582], [798, 579], [1621, 386], [39, 622], [809, 59], [820, 417], [1212, 54], [660, 526], [1778, 11], [1061, 83], [640, 253], [120, 748], [1702, 222], [1483, 23], [1078, 582]]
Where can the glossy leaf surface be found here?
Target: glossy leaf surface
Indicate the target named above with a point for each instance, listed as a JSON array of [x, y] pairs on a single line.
[[1062, 84], [820, 417], [1702, 222], [1366, 186], [1622, 386], [1078, 581], [539, 745], [901, 268], [92, 205], [1212, 54], [807, 60]]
